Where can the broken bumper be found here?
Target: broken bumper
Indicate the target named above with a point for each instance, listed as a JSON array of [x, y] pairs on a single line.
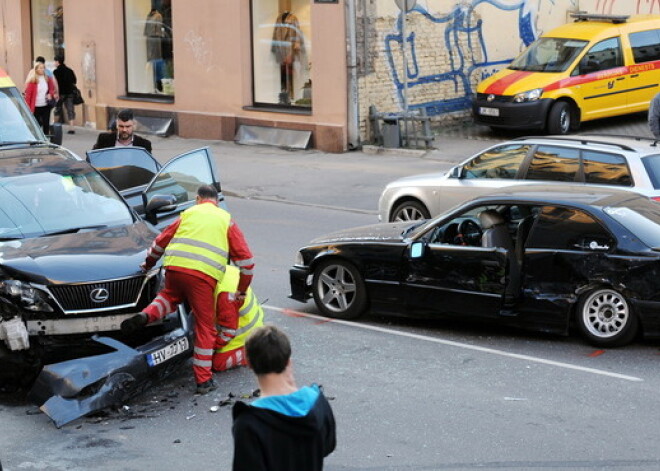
[[72, 389]]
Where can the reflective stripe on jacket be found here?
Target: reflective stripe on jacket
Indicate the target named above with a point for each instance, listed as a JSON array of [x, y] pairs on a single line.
[[200, 243], [250, 314]]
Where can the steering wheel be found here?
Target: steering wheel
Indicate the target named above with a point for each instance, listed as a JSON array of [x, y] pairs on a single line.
[[469, 233]]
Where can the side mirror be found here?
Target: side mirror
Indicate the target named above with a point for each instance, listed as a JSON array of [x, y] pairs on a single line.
[[456, 172], [416, 249], [161, 203]]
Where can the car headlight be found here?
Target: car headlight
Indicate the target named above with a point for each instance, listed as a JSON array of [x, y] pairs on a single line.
[[24, 295], [299, 260], [530, 95]]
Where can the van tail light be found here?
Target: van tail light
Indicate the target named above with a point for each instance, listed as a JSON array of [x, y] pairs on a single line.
[[656, 199]]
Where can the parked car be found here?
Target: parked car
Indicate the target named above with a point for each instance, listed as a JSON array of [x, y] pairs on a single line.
[[624, 162], [597, 67], [541, 257], [70, 250]]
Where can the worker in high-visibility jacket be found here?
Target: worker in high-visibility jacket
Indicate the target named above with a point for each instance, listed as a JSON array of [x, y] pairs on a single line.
[[197, 249], [235, 320]]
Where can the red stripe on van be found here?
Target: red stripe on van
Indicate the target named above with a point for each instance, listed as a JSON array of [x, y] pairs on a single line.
[[499, 86]]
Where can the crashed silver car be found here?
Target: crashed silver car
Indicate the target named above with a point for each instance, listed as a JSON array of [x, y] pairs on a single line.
[[70, 250]]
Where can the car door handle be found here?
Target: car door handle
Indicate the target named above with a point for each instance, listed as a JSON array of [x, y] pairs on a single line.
[[634, 76], [621, 78]]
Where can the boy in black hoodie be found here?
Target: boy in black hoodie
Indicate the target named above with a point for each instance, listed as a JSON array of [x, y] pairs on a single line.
[[286, 428]]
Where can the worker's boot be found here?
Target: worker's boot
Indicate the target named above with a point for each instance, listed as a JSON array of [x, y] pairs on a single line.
[[207, 386]]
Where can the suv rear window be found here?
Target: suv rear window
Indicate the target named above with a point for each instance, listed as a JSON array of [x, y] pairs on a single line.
[[552, 163], [652, 166], [606, 169]]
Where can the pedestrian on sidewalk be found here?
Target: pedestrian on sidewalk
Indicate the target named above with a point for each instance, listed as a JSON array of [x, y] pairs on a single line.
[[286, 428], [123, 135], [234, 321], [654, 116], [197, 248], [40, 95], [66, 80]]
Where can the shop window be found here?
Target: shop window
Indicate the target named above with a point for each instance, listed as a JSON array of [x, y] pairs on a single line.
[[282, 52], [47, 29], [149, 57]]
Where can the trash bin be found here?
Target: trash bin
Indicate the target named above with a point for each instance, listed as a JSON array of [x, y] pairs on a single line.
[[391, 133]]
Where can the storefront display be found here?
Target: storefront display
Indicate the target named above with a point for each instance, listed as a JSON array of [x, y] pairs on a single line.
[[282, 52], [149, 58], [47, 29]]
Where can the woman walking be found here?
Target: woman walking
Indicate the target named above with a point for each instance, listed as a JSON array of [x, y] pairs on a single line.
[[40, 95]]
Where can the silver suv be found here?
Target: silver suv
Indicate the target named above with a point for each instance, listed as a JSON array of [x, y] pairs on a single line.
[[625, 162]]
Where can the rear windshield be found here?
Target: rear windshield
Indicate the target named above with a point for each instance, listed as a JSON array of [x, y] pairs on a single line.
[[643, 220], [652, 166], [549, 55]]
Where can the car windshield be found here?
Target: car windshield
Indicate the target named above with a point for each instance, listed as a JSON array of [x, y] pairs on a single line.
[[643, 220], [549, 55], [41, 196], [18, 125]]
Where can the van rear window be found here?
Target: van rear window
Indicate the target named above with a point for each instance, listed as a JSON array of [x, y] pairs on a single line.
[[645, 45]]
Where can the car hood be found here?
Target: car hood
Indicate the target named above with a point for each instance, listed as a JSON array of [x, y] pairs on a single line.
[[423, 179], [104, 254], [510, 82], [390, 232]]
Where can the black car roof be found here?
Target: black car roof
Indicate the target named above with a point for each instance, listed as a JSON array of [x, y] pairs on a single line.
[[564, 194]]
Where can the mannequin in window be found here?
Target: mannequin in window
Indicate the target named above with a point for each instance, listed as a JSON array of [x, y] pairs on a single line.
[[154, 32], [287, 45]]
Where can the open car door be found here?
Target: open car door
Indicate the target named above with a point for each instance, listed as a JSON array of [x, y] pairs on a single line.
[[174, 188], [129, 169]]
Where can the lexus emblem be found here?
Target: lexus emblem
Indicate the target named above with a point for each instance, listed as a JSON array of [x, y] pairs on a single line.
[[491, 97], [99, 295]]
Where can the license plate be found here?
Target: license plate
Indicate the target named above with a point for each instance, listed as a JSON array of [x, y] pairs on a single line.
[[167, 352], [489, 111]]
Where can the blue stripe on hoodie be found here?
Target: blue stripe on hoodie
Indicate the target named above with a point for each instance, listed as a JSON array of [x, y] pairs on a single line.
[[296, 404]]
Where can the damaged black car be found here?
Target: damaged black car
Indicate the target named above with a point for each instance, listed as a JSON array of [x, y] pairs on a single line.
[[546, 258], [70, 250]]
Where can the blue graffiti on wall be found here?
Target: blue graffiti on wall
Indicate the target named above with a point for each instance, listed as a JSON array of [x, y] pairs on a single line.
[[463, 62]]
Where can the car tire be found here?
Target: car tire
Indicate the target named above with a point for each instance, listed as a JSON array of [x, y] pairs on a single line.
[[606, 319], [409, 211], [560, 118], [339, 290]]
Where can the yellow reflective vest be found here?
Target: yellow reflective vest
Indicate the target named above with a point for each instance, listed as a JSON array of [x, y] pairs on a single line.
[[200, 242], [250, 313]]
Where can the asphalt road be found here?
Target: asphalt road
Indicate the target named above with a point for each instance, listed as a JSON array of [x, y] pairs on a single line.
[[407, 395]]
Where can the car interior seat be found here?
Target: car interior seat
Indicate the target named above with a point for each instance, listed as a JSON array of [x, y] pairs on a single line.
[[495, 230]]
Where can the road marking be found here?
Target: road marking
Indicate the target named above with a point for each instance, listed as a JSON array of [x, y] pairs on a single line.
[[451, 343]]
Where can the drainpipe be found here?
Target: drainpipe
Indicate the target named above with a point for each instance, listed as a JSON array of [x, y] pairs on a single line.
[[353, 119]]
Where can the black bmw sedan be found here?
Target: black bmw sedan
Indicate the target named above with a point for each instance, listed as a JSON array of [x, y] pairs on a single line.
[[538, 257]]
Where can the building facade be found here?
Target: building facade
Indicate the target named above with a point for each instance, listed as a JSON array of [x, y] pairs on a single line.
[[309, 65]]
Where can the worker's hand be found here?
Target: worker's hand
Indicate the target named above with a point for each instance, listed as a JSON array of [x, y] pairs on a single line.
[[143, 267], [239, 296]]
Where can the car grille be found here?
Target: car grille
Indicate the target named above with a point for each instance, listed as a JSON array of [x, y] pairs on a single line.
[[78, 297], [497, 99]]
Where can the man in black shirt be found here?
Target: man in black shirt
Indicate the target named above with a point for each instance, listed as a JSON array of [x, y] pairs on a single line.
[[123, 136], [66, 81]]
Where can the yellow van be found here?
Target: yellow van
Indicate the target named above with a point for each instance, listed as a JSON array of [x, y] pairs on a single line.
[[17, 123], [597, 67]]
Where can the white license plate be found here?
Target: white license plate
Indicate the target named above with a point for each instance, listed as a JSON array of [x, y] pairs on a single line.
[[489, 111], [165, 353]]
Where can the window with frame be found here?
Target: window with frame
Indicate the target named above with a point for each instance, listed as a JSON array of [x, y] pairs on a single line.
[[149, 53], [499, 162], [645, 45], [602, 56], [563, 228], [551, 163], [47, 30], [282, 53], [605, 168]]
